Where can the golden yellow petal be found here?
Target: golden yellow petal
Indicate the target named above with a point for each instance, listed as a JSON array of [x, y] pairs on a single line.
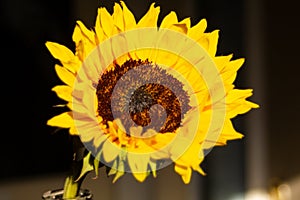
[[89, 35], [99, 139], [72, 65], [140, 176], [240, 108], [204, 42], [138, 164], [84, 39], [60, 52], [236, 95], [197, 31], [213, 42], [118, 17], [222, 61], [180, 169], [179, 146], [110, 151], [77, 38], [234, 65], [87, 132], [128, 17], [119, 46], [63, 120], [112, 129], [64, 92], [229, 73], [192, 76], [187, 22], [100, 36], [169, 20], [150, 18], [199, 170], [190, 156], [73, 130], [228, 132], [106, 22], [184, 172], [91, 68], [65, 75]]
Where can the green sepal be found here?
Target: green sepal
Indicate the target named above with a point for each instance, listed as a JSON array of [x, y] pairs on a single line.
[[153, 166], [118, 167], [87, 166], [97, 163]]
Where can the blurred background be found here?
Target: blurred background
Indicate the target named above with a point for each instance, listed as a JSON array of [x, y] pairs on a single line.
[[265, 164]]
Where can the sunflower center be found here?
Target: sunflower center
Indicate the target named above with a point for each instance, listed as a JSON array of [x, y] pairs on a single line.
[[140, 93]]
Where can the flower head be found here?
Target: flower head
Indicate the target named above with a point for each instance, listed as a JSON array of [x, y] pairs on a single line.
[[143, 96]]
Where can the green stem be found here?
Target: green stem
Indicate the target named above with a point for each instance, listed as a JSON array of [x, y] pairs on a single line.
[[72, 184], [71, 188]]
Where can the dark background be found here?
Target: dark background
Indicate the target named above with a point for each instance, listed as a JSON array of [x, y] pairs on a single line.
[[30, 148]]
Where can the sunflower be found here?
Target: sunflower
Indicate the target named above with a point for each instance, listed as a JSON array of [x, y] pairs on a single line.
[[142, 96]]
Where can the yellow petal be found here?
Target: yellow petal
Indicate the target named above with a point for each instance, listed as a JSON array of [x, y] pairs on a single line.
[[73, 130], [63, 120], [169, 20], [60, 52], [99, 139], [238, 94], [222, 61], [100, 36], [198, 169], [84, 39], [106, 22], [236, 102], [110, 151], [150, 18], [240, 108], [187, 22], [197, 31], [64, 92], [118, 16], [213, 42], [65, 75], [229, 73], [179, 147], [128, 17], [228, 132], [184, 172], [88, 34], [139, 164], [77, 38]]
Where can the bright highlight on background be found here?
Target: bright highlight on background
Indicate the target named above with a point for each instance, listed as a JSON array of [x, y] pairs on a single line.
[[258, 195]]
